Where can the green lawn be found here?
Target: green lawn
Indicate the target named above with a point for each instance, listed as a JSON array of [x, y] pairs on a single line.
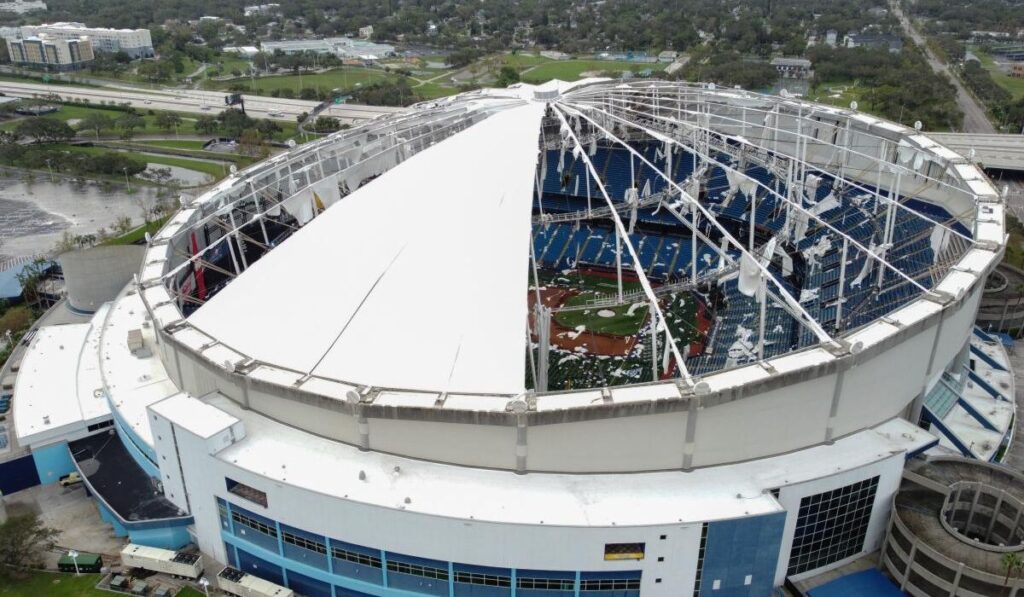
[[1015, 85], [137, 234], [53, 585], [522, 60], [571, 70], [187, 127], [342, 78], [175, 144], [840, 93], [215, 170]]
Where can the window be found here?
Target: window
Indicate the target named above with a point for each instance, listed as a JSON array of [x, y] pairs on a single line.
[[831, 526], [222, 511], [303, 543], [100, 425], [701, 551], [244, 491], [611, 584], [254, 524], [624, 551], [546, 584], [417, 570], [488, 580], [357, 558]]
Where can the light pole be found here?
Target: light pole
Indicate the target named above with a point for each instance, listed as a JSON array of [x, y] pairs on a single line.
[[74, 558], [50, 169], [126, 181], [206, 585]]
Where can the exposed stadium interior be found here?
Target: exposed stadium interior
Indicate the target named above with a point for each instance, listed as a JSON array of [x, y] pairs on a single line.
[[597, 338]]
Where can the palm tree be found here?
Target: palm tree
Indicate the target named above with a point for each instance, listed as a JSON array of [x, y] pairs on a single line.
[[1012, 564]]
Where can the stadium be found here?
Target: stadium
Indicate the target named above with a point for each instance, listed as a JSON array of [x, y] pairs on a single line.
[[594, 338]]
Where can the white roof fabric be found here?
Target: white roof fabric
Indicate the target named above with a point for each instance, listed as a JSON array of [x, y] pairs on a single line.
[[416, 280]]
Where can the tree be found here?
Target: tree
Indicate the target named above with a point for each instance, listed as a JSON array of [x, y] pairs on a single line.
[[45, 130], [250, 143], [507, 76], [128, 123], [168, 121], [326, 124], [96, 122], [233, 122], [23, 539], [206, 125], [1012, 564]]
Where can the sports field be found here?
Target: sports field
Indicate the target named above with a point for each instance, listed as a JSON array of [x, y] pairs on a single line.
[[624, 320], [571, 70]]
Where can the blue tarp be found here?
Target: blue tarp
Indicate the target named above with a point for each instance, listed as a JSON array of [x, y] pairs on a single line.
[[869, 582]]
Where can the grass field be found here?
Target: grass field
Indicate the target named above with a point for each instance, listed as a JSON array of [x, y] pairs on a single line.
[[623, 320], [571, 70], [215, 170], [137, 234], [1015, 85], [175, 144], [52, 585], [342, 78]]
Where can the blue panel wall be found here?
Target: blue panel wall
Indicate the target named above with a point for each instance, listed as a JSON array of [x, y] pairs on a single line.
[[166, 538], [53, 462], [742, 547], [129, 437], [259, 567], [108, 517], [474, 581], [310, 587], [545, 583], [414, 582], [18, 474]]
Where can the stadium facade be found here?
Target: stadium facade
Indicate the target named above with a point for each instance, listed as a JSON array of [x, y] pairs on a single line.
[[572, 339]]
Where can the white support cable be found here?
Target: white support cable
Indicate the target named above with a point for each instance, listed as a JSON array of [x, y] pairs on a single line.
[[811, 323], [801, 140], [794, 204], [620, 228]]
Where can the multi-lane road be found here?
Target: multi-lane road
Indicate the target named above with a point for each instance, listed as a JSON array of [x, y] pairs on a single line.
[[975, 118], [194, 101]]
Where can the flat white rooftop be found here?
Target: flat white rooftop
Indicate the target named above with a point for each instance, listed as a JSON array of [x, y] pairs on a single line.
[[58, 388], [287, 455]]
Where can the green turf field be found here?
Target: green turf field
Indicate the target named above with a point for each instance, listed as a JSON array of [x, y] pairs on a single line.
[[341, 78], [625, 320], [52, 584], [571, 70]]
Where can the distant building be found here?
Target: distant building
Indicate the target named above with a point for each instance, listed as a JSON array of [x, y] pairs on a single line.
[[261, 9], [1017, 69], [668, 56], [793, 68], [555, 55], [51, 53], [137, 43], [831, 37], [244, 51], [342, 47], [893, 43], [366, 32], [22, 6]]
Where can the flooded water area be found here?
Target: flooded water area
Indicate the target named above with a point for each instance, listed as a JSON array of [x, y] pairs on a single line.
[[35, 212]]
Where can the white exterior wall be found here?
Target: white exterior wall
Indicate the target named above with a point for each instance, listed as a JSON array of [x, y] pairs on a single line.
[[479, 543]]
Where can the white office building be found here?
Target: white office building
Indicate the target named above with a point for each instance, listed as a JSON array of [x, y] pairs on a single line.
[[137, 43]]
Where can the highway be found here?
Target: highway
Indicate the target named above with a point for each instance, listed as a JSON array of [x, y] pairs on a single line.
[[1005, 152], [194, 101], [975, 118]]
